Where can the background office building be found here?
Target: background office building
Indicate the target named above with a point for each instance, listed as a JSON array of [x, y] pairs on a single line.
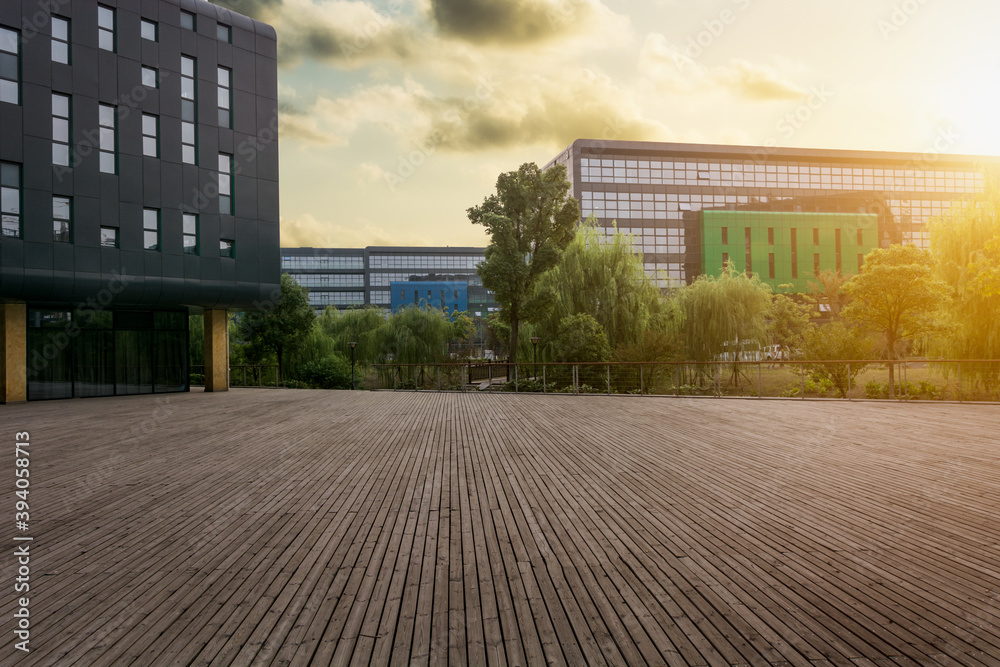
[[782, 213], [357, 277], [139, 169]]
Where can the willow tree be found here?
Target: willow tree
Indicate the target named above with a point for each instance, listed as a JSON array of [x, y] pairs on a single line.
[[965, 243], [358, 325], [723, 313], [603, 279], [897, 296], [530, 221]]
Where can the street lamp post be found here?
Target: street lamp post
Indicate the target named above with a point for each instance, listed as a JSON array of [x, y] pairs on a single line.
[[534, 344], [352, 345]]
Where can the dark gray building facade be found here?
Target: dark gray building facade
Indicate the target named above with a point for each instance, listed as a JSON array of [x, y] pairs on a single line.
[[139, 165]]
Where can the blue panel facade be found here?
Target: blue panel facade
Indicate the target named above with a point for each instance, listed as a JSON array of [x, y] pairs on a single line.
[[451, 295]]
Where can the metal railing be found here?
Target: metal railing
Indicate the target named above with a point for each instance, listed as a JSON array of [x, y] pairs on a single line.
[[243, 375], [906, 380]]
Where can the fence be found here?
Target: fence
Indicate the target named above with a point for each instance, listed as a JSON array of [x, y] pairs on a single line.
[[912, 379], [241, 376]]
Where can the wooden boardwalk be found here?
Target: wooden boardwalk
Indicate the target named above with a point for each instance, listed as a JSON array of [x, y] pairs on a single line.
[[266, 527]]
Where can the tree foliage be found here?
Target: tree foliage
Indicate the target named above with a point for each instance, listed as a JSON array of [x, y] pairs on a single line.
[[530, 221], [604, 280], [788, 323], [279, 326], [838, 342], [827, 292], [721, 311], [581, 338], [897, 296]]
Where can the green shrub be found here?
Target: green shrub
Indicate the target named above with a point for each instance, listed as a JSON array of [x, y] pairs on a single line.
[[874, 389], [197, 380], [333, 372]]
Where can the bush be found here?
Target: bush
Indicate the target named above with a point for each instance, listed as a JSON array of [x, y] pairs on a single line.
[[294, 384], [875, 389], [197, 380], [333, 372]]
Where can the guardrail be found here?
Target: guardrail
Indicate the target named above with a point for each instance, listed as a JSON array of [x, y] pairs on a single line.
[[243, 375], [912, 379]]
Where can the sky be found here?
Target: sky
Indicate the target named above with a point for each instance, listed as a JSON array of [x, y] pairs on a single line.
[[396, 116]]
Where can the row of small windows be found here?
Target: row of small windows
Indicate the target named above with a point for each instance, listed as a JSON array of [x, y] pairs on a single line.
[[776, 176], [336, 298], [62, 219], [10, 68], [330, 280], [425, 261], [329, 262]]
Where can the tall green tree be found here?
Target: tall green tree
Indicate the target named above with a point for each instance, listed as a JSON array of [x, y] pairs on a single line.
[[827, 292], [788, 323], [605, 279], [280, 325], [965, 243], [530, 221], [838, 342], [719, 312], [897, 296]]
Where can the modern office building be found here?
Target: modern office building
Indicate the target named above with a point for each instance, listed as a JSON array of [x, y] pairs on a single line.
[[357, 277], [783, 213], [451, 295], [139, 168]]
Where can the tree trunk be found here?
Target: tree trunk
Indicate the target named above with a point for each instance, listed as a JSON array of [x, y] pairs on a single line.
[[281, 374], [891, 355]]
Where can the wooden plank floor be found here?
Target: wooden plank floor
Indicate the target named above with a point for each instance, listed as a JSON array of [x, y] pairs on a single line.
[[265, 527]]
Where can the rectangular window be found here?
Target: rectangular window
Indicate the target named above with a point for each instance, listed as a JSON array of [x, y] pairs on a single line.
[[108, 119], [861, 237], [60, 130], [150, 77], [190, 234], [150, 135], [725, 258], [226, 184], [10, 66], [837, 245], [106, 28], [725, 236], [109, 237], [815, 236], [148, 30], [188, 21], [816, 264], [770, 236], [770, 265], [62, 216], [227, 248], [189, 137], [861, 261], [10, 200], [224, 33], [60, 40], [225, 97], [795, 253], [748, 257], [150, 229]]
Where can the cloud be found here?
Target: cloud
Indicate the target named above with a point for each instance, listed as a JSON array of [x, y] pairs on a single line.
[[669, 68], [510, 21], [307, 231]]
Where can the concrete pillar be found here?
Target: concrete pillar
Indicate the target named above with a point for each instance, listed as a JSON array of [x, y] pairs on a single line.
[[216, 350], [13, 352]]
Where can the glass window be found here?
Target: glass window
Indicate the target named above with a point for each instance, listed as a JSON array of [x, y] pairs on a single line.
[[188, 21], [108, 119], [148, 30], [10, 67], [190, 234], [150, 135], [150, 78], [224, 33], [62, 209], [189, 152], [227, 248], [60, 130], [226, 184], [151, 229], [225, 97], [109, 237], [106, 28], [10, 200], [60, 40]]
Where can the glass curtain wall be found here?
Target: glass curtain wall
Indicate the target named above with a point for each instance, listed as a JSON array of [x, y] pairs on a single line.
[[87, 353]]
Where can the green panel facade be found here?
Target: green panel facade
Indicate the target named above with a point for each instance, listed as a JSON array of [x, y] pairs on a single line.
[[768, 235]]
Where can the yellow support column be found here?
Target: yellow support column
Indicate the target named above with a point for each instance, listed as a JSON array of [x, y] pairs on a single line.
[[216, 350], [13, 352]]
